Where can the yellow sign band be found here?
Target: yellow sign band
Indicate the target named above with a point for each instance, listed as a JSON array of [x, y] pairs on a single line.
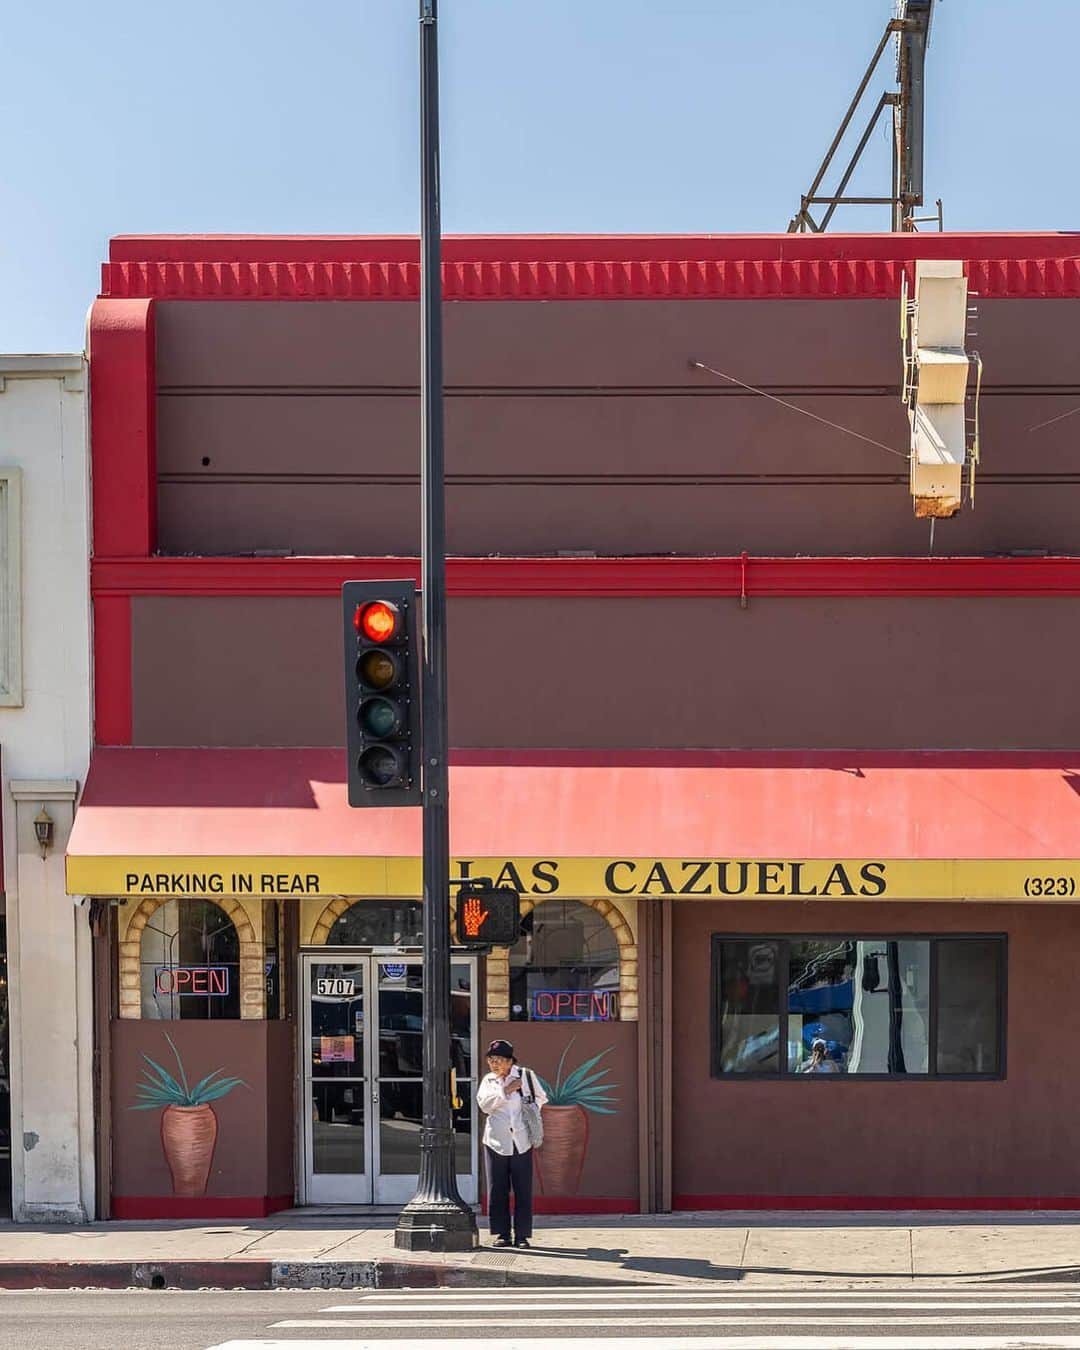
[[588, 878]]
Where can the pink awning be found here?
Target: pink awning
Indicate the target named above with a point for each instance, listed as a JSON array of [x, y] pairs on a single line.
[[584, 804]]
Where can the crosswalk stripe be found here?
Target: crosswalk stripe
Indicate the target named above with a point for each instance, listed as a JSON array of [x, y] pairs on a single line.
[[672, 1317], [745, 1303], [415, 1323], [637, 1293], [752, 1342]]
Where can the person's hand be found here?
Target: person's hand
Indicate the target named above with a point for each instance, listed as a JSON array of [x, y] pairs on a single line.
[[513, 1086]]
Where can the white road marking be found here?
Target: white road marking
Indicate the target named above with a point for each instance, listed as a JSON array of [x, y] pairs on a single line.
[[414, 1323], [637, 1293], [753, 1342], [1043, 1317], [744, 1303]]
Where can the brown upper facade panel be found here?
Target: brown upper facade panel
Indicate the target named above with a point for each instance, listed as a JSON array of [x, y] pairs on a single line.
[[619, 344], [812, 672], [613, 520], [580, 426], [286, 372]]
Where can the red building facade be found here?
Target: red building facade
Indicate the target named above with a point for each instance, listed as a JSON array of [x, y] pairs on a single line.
[[767, 773]]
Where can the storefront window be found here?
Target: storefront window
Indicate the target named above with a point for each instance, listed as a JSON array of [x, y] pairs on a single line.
[[189, 958], [565, 966], [882, 1007], [749, 992], [968, 1037], [379, 923]]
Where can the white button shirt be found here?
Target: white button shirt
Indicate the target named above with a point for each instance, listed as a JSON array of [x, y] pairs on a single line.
[[504, 1130]]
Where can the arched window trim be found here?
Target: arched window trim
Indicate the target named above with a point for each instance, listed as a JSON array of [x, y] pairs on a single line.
[[248, 930], [218, 944], [341, 904], [365, 909], [498, 963]]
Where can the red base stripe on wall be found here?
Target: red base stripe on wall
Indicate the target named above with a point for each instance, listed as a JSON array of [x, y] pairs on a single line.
[[201, 1207], [584, 1204], [882, 1202], [578, 1204]]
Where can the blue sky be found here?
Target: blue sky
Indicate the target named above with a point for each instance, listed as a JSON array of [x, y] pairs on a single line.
[[558, 116]]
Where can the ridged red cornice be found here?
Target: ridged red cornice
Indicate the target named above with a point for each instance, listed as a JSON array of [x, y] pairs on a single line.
[[600, 577], [518, 267]]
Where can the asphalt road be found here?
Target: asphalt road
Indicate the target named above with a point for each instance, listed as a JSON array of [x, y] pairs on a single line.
[[818, 1317]]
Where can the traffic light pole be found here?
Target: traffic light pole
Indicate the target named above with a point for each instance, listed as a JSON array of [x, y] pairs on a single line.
[[436, 1218]]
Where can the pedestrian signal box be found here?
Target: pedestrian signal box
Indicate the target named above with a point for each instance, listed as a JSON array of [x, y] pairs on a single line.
[[487, 916], [382, 693]]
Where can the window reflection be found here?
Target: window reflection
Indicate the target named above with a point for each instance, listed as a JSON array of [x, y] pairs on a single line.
[[843, 1006], [967, 1020], [820, 1000], [749, 1007], [858, 1006], [379, 923]]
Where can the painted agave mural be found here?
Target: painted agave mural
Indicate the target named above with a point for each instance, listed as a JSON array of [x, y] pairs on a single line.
[[189, 1126], [572, 1096]]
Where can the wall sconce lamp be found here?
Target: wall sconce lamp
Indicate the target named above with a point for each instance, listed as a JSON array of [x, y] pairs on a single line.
[[43, 830]]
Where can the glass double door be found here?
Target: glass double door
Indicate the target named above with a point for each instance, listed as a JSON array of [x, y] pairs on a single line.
[[363, 1087]]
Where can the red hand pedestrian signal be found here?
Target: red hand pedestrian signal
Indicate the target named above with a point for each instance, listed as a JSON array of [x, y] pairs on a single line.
[[487, 915], [474, 917]]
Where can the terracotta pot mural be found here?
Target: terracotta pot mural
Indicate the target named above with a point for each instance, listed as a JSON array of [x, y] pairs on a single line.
[[570, 1098], [188, 1137], [561, 1158], [189, 1127]]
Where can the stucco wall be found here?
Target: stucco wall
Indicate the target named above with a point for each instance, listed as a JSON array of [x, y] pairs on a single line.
[[45, 751], [569, 425], [885, 673], [836, 1140]]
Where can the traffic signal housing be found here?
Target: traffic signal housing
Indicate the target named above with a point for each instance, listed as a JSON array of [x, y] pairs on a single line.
[[382, 693], [487, 916]]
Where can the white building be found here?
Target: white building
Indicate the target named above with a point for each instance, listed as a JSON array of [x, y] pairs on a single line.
[[44, 752]]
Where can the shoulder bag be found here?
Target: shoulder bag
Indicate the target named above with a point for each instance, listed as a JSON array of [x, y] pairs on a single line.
[[530, 1110]]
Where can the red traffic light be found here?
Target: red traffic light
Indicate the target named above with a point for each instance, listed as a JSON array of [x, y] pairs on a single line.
[[378, 621]]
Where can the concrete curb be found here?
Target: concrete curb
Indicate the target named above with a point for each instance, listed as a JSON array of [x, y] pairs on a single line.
[[256, 1275]]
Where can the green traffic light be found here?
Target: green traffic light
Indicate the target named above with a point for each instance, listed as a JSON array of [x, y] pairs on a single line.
[[380, 717]]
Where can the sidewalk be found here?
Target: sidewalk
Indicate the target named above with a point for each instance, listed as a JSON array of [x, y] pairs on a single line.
[[329, 1249]]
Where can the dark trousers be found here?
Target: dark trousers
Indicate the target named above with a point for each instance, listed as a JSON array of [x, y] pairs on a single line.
[[513, 1171]]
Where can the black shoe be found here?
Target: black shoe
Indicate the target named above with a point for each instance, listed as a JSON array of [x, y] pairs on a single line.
[[521, 1242], [502, 1242]]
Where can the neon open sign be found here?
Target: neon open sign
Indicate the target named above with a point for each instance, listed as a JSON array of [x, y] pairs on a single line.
[[562, 1005], [186, 981]]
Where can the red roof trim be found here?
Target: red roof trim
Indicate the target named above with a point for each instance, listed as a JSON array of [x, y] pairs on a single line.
[[548, 267], [519, 248], [600, 577], [577, 757]]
